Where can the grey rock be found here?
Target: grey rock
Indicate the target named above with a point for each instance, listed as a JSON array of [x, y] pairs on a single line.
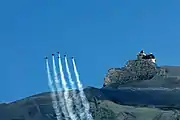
[[143, 73]]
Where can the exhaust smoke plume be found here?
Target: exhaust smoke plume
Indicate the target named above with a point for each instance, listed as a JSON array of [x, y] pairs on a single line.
[[68, 100], [82, 95], [72, 85], [64, 103], [59, 93], [53, 93]]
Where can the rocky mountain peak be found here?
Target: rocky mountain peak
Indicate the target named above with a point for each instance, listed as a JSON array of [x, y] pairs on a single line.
[[142, 72], [134, 70]]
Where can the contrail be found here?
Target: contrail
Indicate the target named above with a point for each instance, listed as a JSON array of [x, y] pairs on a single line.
[[60, 94], [53, 94], [74, 97], [66, 91], [82, 95]]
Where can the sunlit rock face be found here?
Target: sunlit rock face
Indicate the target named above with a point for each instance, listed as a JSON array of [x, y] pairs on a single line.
[[134, 70], [143, 73]]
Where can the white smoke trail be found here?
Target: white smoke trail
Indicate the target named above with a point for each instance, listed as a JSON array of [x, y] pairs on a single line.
[[69, 74], [82, 95], [77, 102], [60, 94], [66, 91], [53, 94]]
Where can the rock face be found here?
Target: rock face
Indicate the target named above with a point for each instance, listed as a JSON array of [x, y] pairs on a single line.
[[142, 73]]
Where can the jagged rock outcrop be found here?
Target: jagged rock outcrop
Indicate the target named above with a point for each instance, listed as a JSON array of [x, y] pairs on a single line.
[[142, 73]]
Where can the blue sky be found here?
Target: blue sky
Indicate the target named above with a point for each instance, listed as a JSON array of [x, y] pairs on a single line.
[[100, 34]]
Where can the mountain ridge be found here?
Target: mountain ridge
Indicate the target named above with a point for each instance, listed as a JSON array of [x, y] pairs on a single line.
[[140, 90], [102, 101]]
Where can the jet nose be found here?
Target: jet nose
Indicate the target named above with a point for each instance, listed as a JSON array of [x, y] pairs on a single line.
[[46, 58], [65, 55], [52, 54]]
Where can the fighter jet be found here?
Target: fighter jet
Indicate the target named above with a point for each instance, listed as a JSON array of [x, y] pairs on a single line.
[[52, 54], [72, 57], [58, 54], [46, 58], [65, 55]]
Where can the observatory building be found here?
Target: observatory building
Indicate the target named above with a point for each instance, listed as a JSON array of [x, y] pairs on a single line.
[[142, 55]]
